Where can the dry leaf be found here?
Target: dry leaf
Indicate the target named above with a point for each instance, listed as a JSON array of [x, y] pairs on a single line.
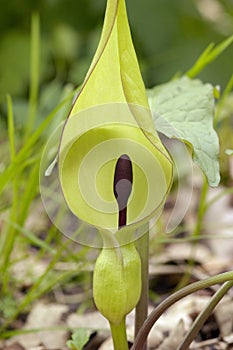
[[44, 316], [175, 337], [93, 320], [225, 317]]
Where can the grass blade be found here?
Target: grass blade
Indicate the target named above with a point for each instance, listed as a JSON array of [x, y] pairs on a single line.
[[11, 127], [208, 56], [34, 73]]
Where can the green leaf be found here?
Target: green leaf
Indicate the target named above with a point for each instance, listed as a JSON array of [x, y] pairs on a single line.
[[79, 339], [11, 127], [184, 109], [14, 73], [209, 55]]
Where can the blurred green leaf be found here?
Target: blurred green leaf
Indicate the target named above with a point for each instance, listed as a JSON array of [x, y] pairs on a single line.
[[66, 42], [79, 339], [184, 109], [208, 56], [14, 58]]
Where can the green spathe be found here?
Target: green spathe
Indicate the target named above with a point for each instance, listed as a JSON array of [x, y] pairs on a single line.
[[114, 102], [87, 166]]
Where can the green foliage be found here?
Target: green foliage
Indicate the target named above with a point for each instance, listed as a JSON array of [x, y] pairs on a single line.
[[184, 109], [8, 304], [224, 122], [208, 56], [14, 48], [79, 339]]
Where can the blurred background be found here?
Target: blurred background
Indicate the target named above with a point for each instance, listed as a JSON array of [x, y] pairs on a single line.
[[169, 35]]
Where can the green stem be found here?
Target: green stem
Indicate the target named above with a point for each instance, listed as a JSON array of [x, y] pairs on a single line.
[[164, 305], [9, 233], [202, 317], [202, 208], [142, 306], [119, 336], [222, 100]]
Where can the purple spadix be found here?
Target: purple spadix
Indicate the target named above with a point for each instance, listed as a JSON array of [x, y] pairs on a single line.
[[123, 181]]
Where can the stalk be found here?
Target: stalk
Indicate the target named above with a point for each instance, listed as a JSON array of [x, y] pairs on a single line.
[[164, 305], [119, 336], [202, 317]]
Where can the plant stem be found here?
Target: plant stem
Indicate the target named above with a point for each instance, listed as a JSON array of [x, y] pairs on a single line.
[[222, 100], [164, 305], [119, 336], [202, 317], [202, 207], [142, 306]]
